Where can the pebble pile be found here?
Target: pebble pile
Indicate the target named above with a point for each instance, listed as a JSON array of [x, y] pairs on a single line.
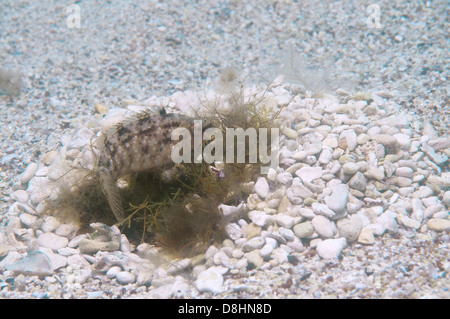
[[355, 172]]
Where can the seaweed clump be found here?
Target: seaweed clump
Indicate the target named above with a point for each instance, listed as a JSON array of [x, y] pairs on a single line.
[[177, 205]]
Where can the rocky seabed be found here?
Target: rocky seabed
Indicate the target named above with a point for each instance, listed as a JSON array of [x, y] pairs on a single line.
[[355, 170]]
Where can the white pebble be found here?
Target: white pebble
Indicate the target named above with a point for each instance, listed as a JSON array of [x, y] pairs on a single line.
[[285, 178], [68, 230], [271, 241], [408, 222], [322, 226], [322, 209], [386, 221], [298, 190], [305, 212], [446, 198], [272, 175], [48, 158], [221, 258], [52, 241], [234, 231], [284, 220], [50, 224], [20, 195], [403, 140], [375, 173], [337, 202], [350, 136], [283, 99], [279, 256], [431, 210], [430, 201], [417, 209], [209, 280], [67, 251], [277, 236], [260, 218], [56, 260], [326, 156], [423, 192], [385, 139], [441, 215], [373, 131], [331, 248], [30, 221], [210, 252], [442, 182], [362, 138], [404, 172], [331, 141], [42, 208], [299, 156], [124, 244], [266, 251], [350, 168], [26, 209], [286, 233], [254, 258], [296, 245], [308, 174], [241, 263], [125, 278], [28, 173], [254, 243], [231, 212], [313, 149], [74, 242], [290, 133], [350, 228], [439, 224], [358, 181], [262, 187], [440, 143]]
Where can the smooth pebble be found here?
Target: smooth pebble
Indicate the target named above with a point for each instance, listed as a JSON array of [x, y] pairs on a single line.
[[262, 187], [52, 241], [254, 243], [308, 174], [366, 236], [303, 230], [322, 226], [337, 202], [210, 280], [331, 248], [439, 225], [125, 278]]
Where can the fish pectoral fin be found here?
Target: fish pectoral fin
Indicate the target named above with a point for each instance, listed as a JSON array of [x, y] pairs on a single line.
[[112, 194]]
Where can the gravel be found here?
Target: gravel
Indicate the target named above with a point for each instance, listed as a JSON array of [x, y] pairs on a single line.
[[359, 207]]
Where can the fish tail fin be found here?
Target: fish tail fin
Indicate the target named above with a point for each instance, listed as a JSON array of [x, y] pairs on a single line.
[[112, 194]]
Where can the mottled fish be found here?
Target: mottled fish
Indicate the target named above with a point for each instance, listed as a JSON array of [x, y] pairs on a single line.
[[139, 145]]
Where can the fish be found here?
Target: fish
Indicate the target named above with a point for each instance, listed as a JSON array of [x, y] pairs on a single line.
[[137, 145]]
